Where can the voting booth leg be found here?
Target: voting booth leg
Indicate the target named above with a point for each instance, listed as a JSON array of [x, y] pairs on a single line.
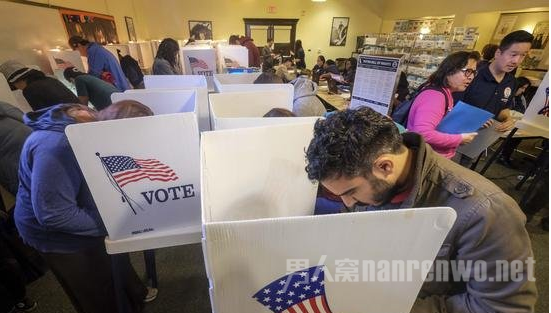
[[536, 167], [117, 266], [498, 151], [475, 164], [150, 267], [541, 174]]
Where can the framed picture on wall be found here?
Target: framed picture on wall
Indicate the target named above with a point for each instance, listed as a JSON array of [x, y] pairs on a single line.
[[130, 28], [339, 31], [504, 26], [200, 30], [90, 26]]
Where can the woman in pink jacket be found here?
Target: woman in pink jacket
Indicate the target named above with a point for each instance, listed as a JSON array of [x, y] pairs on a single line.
[[434, 100]]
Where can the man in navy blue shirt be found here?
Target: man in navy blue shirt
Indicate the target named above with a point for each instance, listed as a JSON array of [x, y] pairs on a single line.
[[493, 88]]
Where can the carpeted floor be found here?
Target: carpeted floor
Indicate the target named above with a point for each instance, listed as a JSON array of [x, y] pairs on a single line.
[[184, 287]]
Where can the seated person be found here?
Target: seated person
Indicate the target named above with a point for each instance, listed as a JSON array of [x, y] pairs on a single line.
[[349, 71], [124, 109], [330, 67], [39, 90], [318, 69], [90, 88], [282, 70], [305, 101], [279, 112]]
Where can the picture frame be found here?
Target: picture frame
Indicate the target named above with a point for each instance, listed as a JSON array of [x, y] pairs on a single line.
[[93, 27], [339, 31], [200, 30], [504, 26], [130, 28]]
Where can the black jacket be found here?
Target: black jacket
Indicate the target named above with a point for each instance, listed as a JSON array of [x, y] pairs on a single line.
[[43, 91], [13, 134]]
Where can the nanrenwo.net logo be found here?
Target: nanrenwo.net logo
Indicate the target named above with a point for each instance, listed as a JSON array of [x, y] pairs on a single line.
[[353, 270]]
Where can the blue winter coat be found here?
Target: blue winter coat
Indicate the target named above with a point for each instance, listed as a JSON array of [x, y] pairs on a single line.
[[100, 60], [54, 210]]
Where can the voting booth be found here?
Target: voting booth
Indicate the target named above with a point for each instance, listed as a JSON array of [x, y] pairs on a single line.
[[264, 252], [536, 117], [227, 106], [231, 56], [143, 174], [235, 82], [62, 59], [161, 101], [188, 82], [199, 60]]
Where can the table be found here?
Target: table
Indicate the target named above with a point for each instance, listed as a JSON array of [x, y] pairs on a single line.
[[333, 102]]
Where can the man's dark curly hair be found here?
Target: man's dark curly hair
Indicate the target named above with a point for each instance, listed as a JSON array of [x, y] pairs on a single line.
[[348, 142]]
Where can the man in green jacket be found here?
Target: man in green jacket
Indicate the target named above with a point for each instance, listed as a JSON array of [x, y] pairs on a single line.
[[360, 156]]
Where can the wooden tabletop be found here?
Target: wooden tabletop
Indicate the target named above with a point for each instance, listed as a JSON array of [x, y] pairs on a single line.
[[337, 101]]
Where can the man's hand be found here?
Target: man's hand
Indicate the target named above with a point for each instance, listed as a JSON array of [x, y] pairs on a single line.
[[506, 125], [467, 137]]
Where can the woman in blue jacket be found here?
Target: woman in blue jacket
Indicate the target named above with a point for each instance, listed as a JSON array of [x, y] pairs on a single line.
[[101, 63], [55, 213]]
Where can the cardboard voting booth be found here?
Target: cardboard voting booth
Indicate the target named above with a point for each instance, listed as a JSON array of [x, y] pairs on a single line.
[[253, 173], [234, 82], [199, 60], [161, 101], [61, 59], [246, 122], [260, 240], [143, 174], [231, 56], [255, 104], [187, 82], [536, 117]]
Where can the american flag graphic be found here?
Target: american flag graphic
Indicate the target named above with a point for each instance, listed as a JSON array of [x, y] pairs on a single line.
[[194, 63], [299, 292], [126, 170]]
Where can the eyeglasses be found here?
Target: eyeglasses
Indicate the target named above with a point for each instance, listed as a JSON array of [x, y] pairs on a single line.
[[468, 72]]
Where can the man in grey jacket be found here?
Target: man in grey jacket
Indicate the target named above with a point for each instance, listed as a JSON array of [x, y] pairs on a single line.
[[360, 156]]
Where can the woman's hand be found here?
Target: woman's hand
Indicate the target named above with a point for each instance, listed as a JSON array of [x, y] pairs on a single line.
[[488, 123], [467, 137]]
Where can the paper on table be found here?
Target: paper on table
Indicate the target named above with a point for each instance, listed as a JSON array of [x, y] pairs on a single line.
[[463, 118], [482, 141]]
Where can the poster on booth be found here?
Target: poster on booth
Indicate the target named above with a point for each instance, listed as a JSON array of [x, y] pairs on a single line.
[[355, 262], [536, 117], [62, 59], [143, 173], [232, 56], [199, 61], [375, 81]]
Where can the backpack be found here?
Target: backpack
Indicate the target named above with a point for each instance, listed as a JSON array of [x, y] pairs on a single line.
[[131, 69], [401, 112]]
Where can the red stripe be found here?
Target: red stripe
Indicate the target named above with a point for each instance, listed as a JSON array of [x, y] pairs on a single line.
[[314, 305], [302, 307], [149, 162], [325, 306], [133, 174], [141, 170], [156, 167], [152, 179], [143, 174], [291, 310]]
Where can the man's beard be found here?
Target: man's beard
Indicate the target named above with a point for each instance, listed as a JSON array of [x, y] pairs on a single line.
[[383, 191]]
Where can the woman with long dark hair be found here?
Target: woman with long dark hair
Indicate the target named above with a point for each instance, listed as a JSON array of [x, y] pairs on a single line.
[[434, 100], [166, 61], [299, 55]]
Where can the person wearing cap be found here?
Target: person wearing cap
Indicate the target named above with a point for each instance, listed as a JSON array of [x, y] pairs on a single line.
[[101, 63], [39, 90], [90, 88]]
